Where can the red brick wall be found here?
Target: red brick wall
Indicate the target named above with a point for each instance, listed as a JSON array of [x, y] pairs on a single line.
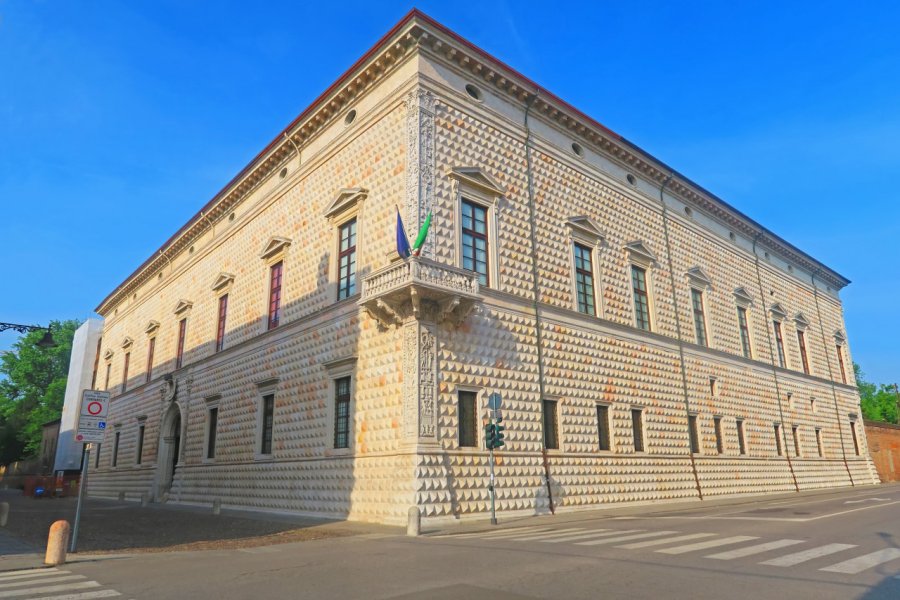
[[884, 445]]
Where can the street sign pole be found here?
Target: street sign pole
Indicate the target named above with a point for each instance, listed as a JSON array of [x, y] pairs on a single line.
[[494, 402], [493, 509], [85, 461]]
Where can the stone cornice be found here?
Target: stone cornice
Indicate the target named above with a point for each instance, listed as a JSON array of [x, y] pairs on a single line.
[[418, 32]]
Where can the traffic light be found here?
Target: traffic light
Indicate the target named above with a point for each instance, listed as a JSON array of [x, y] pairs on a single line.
[[490, 433], [498, 433]]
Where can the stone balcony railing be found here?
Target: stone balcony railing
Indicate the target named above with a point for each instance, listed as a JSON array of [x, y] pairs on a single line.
[[420, 288]]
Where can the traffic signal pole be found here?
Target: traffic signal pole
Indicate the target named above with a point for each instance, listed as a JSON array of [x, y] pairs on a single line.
[[491, 487]]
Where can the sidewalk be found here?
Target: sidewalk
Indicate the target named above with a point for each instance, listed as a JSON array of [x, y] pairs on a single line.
[[109, 526]]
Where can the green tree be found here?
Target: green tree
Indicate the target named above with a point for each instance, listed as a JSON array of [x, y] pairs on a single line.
[[878, 402], [32, 389]]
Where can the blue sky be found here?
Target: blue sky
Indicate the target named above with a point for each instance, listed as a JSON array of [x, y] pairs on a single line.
[[119, 120]]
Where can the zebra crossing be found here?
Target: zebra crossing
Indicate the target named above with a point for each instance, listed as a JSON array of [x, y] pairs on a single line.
[[51, 584], [710, 546]]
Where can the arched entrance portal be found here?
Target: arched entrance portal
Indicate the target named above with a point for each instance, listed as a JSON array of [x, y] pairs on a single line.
[[170, 448]]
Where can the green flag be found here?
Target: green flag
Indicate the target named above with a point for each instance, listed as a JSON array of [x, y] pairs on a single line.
[[423, 233]]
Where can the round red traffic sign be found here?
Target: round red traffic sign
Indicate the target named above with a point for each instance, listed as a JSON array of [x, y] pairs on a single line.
[[79, 437], [94, 408]]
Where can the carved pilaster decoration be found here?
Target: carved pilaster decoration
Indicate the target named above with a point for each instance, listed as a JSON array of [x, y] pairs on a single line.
[[420, 161], [419, 382]]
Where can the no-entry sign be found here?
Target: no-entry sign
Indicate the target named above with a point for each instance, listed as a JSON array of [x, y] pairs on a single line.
[[92, 417]]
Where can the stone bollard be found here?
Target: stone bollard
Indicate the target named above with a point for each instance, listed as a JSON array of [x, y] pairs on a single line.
[[217, 506], [4, 513], [145, 499], [57, 543], [121, 496], [414, 525]]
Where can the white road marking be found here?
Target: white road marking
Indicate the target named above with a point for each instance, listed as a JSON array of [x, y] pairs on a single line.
[[554, 533], [595, 533], [52, 578], [10, 575], [663, 542], [790, 560], [708, 544], [80, 585], [624, 538], [866, 561], [751, 550], [784, 519], [516, 531], [491, 535], [867, 500], [82, 596]]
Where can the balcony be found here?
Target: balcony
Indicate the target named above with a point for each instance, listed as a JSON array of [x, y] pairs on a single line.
[[422, 289]]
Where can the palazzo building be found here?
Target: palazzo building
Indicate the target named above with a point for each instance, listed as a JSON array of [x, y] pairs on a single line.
[[649, 341]]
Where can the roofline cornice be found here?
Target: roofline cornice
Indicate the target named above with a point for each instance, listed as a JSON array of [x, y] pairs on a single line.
[[417, 31]]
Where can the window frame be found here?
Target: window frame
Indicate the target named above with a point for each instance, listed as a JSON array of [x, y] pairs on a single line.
[[126, 362], [741, 434], [720, 435], [604, 430], [139, 444], [475, 186], [151, 350], [550, 437], [779, 445], [179, 347], [840, 355], [579, 273], [108, 373], [795, 434], [352, 255], [264, 389], [473, 396], [638, 433], [115, 454], [645, 294], [212, 431], [273, 312], [699, 315], [743, 314], [820, 446], [221, 321], [484, 279], [779, 343], [342, 399], [804, 357], [854, 434], [694, 433]]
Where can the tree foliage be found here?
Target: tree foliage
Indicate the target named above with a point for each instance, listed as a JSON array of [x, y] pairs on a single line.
[[878, 401], [32, 389]]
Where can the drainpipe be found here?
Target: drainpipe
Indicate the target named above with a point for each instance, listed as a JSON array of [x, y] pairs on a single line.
[[837, 412], [684, 381], [535, 279], [762, 295]]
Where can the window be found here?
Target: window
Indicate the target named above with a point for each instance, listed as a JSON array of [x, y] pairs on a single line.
[[347, 260], [475, 240], [584, 280], [694, 434], [551, 439], [713, 387], [139, 454], [275, 276], [342, 412], [801, 340], [603, 427], [840, 355], [819, 442], [212, 424], [779, 343], [179, 352], [812, 405], [742, 445], [151, 348], [268, 421], [115, 456], [699, 318], [745, 332], [108, 370], [97, 456], [795, 431], [637, 428], [778, 447], [220, 325], [720, 441], [853, 435], [467, 419], [641, 299], [125, 371]]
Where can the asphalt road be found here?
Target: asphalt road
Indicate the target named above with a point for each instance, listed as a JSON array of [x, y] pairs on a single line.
[[822, 546]]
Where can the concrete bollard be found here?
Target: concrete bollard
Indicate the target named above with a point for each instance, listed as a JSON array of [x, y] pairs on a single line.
[[217, 506], [145, 499], [414, 525], [4, 513], [57, 543], [121, 496]]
